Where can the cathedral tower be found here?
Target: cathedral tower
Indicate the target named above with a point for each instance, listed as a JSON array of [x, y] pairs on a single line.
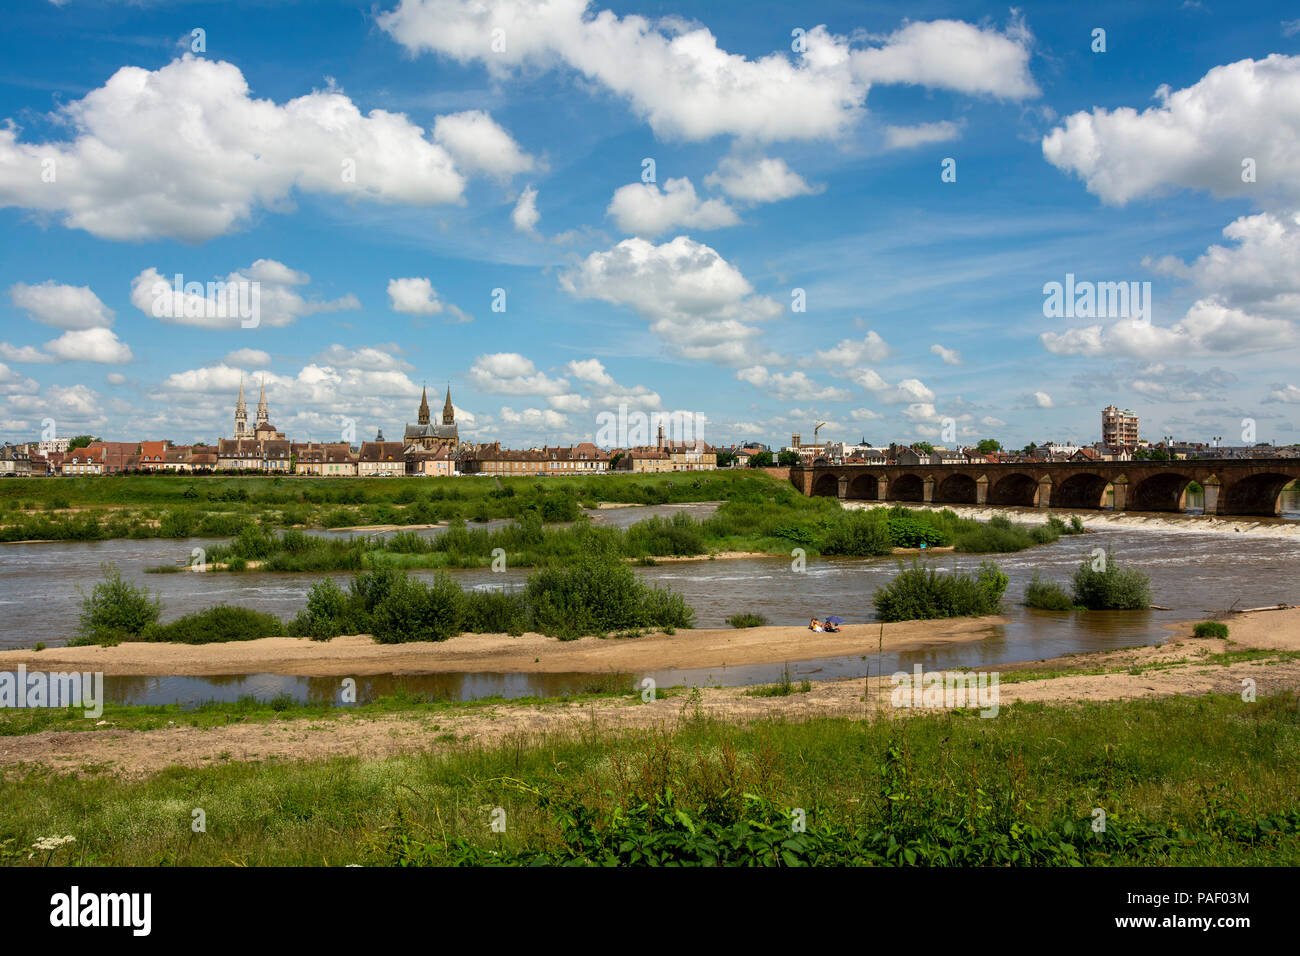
[[241, 413], [448, 412]]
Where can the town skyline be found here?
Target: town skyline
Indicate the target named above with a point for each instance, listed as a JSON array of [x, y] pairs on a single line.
[[922, 234]]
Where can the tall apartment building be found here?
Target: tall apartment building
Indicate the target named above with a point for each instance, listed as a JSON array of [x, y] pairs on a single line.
[[1118, 428]]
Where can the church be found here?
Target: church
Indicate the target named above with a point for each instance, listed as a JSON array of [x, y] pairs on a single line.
[[429, 436], [262, 430]]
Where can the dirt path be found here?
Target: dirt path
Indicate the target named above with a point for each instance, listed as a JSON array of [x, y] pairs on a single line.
[[1184, 671]]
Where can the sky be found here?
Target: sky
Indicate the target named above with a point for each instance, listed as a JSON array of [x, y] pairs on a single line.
[[761, 216]]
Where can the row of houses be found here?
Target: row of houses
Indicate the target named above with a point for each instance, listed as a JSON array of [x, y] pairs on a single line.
[[377, 459]]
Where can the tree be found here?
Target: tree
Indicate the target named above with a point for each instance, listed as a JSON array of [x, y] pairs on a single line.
[[987, 446], [1029, 449], [81, 441], [726, 459], [760, 459], [924, 447], [787, 459]]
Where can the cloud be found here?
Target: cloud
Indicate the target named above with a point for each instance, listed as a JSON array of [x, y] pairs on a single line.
[[1261, 272], [509, 373], [756, 180], [642, 209], [1208, 328], [417, 296], [793, 386], [606, 390], [1195, 138], [14, 383], [872, 348], [479, 145], [1283, 393], [115, 378], [525, 215], [697, 303], [907, 391], [186, 152], [368, 358], [865, 415], [534, 418], [1041, 400], [62, 306], [675, 76], [949, 356], [952, 55], [922, 134], [267, 285], [248, 358], [98, 345]]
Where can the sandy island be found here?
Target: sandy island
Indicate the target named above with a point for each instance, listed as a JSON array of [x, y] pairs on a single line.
[[530, 653]]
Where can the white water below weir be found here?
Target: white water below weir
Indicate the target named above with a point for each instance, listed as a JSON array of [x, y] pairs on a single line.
[[1167, 522]]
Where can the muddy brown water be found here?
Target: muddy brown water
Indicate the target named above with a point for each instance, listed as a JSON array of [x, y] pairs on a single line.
[[1192, 573]]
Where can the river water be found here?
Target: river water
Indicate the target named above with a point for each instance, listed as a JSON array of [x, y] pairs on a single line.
[[1197, 566]]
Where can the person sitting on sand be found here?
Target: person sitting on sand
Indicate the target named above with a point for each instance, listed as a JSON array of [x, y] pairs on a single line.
[[831, 628], [815, 625]]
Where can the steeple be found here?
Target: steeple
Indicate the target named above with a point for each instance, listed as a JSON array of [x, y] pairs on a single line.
[[262, 414], [241, 412], [448, 412], [424, 406]]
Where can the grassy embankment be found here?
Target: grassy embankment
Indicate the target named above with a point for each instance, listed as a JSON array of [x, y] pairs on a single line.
[[1204, 781], [179, 506]]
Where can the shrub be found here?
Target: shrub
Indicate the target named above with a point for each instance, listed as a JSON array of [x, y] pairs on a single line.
[[414, 611], [495, 612], [216, 625], [859, 534], [747, 620], [921, 592], [116, 609], [910, 532], [1076, 524], [177, 524], [1210, 629], [1112, 588], [328, 614], [1047, 595], [599, 594]]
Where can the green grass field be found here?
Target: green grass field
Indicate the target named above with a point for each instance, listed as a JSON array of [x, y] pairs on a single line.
[[1200, 781]]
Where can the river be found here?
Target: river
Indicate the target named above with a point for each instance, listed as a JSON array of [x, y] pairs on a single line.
[[1194, 572]]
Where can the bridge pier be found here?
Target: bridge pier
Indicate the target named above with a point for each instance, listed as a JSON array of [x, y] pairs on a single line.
[[842, 487], [982, 490], [927, 494], [1044, 497], [1212, 486], [882, 488], [1120, 485]]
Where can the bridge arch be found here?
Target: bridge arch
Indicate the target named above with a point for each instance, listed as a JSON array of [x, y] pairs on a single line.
[[1160, 492], [956, 489], [1084, 490], [865, 487], [827, 485], [1254, 495], [1016, 488], [907, 487]]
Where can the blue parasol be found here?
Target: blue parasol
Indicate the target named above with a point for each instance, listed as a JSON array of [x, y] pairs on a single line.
[[835, 620]]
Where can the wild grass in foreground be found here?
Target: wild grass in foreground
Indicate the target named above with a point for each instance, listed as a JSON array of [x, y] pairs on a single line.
[[1202, 781]]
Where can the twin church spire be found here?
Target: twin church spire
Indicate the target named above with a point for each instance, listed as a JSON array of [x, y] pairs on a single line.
[[448, 410]]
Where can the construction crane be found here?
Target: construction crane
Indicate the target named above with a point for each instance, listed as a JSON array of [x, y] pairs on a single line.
[[816, 429]]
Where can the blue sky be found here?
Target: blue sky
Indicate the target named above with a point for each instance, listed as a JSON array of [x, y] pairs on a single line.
[[380, 169]]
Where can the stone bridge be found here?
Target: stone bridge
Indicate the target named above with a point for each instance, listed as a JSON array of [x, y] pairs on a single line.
[[1232, 487]]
